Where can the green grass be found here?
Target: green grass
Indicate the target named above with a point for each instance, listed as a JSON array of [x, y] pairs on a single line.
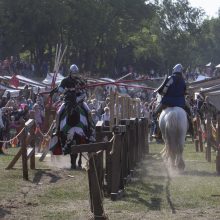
[[155, 189], [154, 193]]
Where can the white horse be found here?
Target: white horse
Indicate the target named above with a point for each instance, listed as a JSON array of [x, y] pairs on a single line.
[[173, 124]]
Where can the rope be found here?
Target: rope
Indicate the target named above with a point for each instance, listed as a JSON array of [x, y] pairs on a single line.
[[47, 133], [8, 141], [12, 139]]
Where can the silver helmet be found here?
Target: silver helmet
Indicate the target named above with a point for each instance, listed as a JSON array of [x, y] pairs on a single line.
[[74, 69], [178, 68]]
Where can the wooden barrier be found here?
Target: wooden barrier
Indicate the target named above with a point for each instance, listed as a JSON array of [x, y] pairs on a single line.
[[25, 153], [208, 130], [212, 132]]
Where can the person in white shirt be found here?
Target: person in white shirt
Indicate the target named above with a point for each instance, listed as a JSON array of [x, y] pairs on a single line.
[[106, 116]]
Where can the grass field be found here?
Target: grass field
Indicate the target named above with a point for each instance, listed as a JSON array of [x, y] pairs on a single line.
[[154, 193]]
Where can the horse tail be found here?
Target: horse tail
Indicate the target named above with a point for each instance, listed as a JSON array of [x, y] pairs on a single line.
[[173, 133]]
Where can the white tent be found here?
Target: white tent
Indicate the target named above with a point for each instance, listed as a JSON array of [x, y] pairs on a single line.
[[201, 77], [218, 66], [208, 64], [48, 80], [25, 80]]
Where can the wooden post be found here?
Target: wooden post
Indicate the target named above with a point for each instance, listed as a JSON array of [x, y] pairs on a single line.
[[199, 134], [132, 144], [32, 143], [126, 150], [123, 107], [147, 137], [117, 183], [218, 145], [197, 144], [112, 109], [196, 135], [96, 194], [24, 156], [209, 130], [116, 108]]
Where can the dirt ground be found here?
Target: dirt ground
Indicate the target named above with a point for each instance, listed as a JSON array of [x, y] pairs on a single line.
[[56, 192]]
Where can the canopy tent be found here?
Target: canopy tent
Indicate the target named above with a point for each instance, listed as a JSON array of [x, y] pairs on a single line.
[[208, 64], [37, 86], [218, 66], [214, 99], [13, 92], [49, 78], [4, 90], [208, 88], [25, 80], [201, 77]]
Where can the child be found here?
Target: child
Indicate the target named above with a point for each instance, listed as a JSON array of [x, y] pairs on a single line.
[[106, 116]]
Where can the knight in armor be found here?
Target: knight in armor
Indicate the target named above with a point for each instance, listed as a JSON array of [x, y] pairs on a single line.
[[74, 89], [173, 92]]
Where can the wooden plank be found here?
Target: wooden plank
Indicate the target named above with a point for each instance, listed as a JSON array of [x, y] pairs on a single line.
[[95, 189], [92, 147], [117, 183], [44, 154], [14, 160]]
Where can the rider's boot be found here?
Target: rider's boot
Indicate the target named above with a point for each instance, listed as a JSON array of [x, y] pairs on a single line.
[[155, 131], [57, 120], [155, 114]]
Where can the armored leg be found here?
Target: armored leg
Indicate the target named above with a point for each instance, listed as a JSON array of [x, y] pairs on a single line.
[[57, 119], [157, 111]]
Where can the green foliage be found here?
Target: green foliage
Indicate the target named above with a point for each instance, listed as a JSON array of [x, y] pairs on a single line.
[[104, 35]]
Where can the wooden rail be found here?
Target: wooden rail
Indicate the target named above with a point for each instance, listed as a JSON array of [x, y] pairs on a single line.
[[25, 152]]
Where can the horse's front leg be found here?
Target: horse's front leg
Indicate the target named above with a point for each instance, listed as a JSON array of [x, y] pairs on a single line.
[[73, 160], [80, 160], [180, 162]]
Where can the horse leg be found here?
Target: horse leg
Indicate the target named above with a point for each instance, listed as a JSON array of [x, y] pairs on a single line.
[[73, 160], [180, 162], [80, 160]]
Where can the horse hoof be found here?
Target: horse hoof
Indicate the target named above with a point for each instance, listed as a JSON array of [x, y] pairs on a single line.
[[181, 165], [66, 150]]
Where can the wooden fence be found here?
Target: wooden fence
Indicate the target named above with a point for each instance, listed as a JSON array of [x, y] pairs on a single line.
[[112, 163]]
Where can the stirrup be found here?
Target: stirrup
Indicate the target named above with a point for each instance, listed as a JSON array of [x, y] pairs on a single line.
[[154, 136]]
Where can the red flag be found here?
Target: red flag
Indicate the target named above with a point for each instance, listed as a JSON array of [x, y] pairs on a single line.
[[14, 81]]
